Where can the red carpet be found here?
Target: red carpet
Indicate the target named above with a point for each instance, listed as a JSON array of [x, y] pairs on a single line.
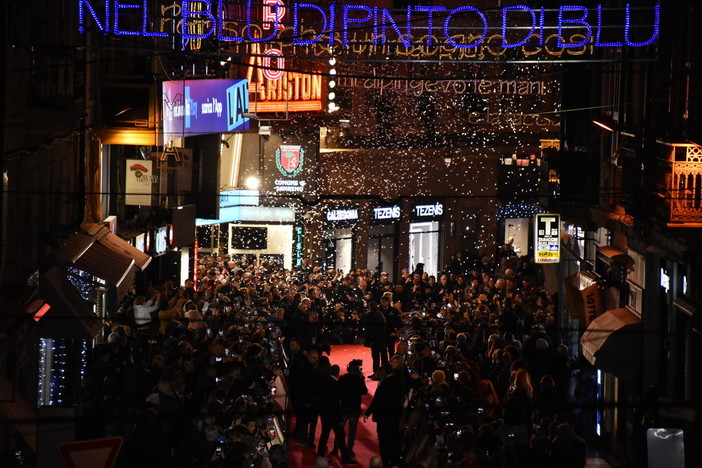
[[366, 438]]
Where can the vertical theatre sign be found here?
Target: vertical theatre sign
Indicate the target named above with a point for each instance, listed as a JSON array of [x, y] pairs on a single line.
[[197, 107], [547, 238]]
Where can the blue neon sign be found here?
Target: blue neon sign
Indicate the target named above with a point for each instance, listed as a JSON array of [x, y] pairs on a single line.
[[208, 19]]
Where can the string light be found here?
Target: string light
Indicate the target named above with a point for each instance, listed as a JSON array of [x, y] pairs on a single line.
[[331, 105], [518, 210]]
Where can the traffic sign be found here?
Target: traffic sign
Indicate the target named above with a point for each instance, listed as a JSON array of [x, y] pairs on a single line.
[[96, 453]]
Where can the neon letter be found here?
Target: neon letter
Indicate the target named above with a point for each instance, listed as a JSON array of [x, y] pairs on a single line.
[[220, 25], [541, 26], [82, 4], [187, 13], [598, 36], [448, 34], [296, 23], [504, 25], [346, 20], [430, 27], [385, 19], [145, 22], [276, 21], [656, 26], [270, 14], [580, 21], [119, 6], [332, 22]]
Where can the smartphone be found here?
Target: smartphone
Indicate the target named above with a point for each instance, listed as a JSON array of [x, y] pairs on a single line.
[[218, 452], [455, 376], [272, 390], [271, 433], [218, 359]]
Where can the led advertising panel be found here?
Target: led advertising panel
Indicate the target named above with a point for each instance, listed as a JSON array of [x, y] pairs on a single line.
[[198, 107]]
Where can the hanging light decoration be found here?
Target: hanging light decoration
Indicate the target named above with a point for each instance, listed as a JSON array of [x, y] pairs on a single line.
[[331, 105]]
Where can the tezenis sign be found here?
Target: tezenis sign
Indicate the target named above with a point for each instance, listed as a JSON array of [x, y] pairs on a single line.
[[520, 25]]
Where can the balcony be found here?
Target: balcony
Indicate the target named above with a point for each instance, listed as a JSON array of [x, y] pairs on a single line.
[[685, 186]]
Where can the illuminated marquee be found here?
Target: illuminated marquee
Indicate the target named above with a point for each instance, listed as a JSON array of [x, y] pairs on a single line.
[[273, 89], [520, 25]]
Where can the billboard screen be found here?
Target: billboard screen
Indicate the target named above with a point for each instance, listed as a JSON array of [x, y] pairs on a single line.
[[198, 107]]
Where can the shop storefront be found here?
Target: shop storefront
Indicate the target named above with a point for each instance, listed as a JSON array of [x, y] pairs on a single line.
[[382, 235], [425, 236], [338, 238], [247, 231]]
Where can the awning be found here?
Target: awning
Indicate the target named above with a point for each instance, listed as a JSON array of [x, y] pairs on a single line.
[[613, 342], [615, 255], [91, 256], [116, 244], [105, 255]]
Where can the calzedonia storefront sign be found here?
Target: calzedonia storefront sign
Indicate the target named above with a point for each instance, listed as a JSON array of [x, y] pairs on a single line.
[[462, 27], [342, 214]]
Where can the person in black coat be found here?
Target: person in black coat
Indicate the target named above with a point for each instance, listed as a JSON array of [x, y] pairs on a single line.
[[393, 322], [352, 387], [386, 410], [301, 395], [327, 402], [374, 326]]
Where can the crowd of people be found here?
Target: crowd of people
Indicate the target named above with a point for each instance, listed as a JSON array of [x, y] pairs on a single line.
[[469, 365]]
